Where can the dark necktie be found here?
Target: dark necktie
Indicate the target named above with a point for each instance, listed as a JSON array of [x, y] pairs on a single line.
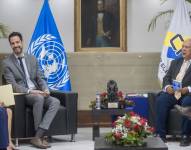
[[21, 64]]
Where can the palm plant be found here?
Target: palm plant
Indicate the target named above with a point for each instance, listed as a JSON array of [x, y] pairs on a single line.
[[152, 24], [3, 31]]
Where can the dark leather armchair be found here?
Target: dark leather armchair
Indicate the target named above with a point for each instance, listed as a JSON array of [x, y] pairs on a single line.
[[174, 121], [64, 123]]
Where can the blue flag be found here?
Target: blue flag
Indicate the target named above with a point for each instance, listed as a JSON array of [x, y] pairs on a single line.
[[47, 47]]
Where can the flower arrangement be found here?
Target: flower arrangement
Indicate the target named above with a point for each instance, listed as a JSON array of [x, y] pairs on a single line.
[[129, 130], [122, 101]]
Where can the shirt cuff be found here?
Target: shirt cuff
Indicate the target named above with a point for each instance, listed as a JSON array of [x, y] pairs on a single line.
[[189, 89], [28, 91], [164, 90]]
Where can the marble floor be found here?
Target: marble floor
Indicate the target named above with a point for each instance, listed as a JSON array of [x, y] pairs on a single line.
[[84, 142]]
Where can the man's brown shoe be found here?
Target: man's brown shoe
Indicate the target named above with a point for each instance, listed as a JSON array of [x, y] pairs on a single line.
[[45, 142], [38, 143]]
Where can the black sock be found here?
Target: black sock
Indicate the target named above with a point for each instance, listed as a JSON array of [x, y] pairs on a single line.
[[40, 132]]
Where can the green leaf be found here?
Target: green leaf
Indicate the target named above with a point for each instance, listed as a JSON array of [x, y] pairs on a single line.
[[188, 1], [152, 24], [163, 1]]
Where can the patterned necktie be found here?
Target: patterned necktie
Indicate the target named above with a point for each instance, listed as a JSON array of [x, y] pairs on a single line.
[[180, 76], [21, 64]]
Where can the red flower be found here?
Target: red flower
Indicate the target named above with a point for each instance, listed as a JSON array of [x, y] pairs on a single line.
[[114, 124], [132, 113], [151, 129], [136, 127], [103, 94], [143, 121], [120, 94], [118, 135], [127, 123]]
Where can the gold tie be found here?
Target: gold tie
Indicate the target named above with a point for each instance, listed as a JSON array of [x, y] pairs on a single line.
[[180, 76]]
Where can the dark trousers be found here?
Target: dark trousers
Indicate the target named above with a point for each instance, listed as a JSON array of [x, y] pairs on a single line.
[[3, 128], [165, 102]]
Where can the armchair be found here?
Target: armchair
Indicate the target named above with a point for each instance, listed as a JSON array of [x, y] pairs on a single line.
[[174, 121], [64, 123]]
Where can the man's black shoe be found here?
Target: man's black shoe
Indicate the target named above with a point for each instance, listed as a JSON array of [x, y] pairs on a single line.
[[164, 139], [185, 141]]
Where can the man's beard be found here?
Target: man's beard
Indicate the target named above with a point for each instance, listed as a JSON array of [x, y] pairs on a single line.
[[18, 52]]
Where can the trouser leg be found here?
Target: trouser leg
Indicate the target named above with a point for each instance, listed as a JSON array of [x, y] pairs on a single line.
[[37, 102], [52, 105], [164, 102]]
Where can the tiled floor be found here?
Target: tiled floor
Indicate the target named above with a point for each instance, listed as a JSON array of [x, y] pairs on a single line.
[[84, 142]]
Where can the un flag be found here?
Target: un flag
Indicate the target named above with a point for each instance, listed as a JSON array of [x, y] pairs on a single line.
[[47, 47]]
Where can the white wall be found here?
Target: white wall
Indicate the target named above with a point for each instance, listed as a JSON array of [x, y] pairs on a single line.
[[139, 15], [22, 15]]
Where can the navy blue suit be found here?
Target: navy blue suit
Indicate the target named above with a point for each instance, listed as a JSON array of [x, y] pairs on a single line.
[[165, 101]]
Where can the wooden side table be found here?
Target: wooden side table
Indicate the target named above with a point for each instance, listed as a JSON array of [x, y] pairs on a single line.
[[96, 113]]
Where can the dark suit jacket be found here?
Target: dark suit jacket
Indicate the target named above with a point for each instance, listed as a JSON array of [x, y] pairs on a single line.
[[108, 25], [174, 70], [14, 75]]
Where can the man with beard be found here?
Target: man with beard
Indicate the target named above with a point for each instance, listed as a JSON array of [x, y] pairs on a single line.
[[22, 71]]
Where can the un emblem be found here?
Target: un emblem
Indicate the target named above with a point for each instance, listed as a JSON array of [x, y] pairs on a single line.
[[52, 60]]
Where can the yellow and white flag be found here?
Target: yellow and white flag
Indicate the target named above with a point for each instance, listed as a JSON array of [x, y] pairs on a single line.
[[179, 30]]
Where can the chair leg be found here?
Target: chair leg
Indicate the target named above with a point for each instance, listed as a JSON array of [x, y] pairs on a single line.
[[17, 142], [72, 138]]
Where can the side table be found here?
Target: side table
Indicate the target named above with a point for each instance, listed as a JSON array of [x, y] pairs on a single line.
[[96, 113]]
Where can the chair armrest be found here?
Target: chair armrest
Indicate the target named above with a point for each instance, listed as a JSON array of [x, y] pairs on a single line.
[[19, 117], [69, 100], [152, 112]]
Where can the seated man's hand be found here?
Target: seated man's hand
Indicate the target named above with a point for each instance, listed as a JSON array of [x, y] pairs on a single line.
[[184, 90], [46, 93], [170, 90], [36, 92]]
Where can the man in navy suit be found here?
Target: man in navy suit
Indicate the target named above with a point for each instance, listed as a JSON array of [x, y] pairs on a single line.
[[179, 68]]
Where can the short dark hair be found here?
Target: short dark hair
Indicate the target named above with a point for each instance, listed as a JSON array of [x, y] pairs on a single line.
[[15, 34]]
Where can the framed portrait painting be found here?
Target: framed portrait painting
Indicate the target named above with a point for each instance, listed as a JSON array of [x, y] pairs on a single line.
[[100, 25]]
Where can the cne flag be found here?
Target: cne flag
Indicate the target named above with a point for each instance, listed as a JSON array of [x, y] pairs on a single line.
[[179, 30], [47, 47]]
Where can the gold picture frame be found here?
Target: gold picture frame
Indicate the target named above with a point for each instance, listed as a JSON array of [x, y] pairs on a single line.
[[112, 29]]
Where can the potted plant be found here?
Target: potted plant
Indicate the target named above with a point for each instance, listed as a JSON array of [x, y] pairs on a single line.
[[129, 130]]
